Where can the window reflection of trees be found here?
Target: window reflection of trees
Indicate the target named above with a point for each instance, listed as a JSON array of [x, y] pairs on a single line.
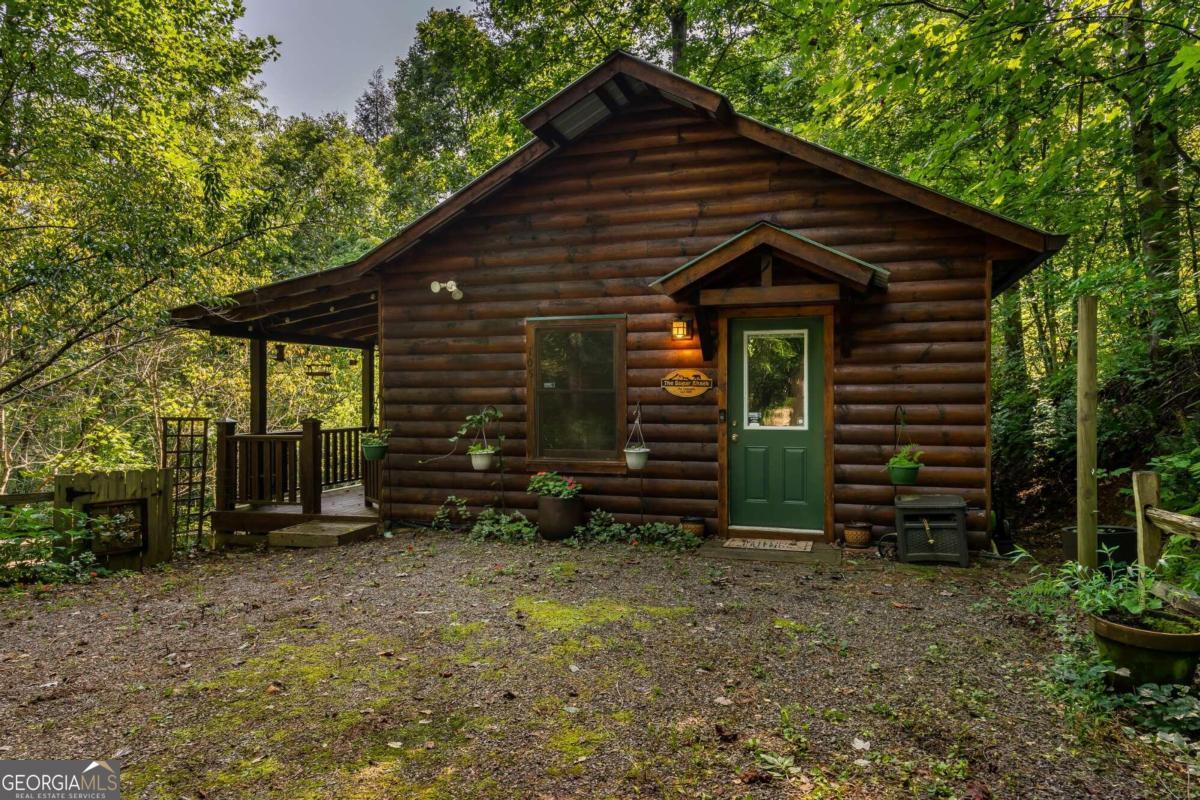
[[775, 380], [576, 392]]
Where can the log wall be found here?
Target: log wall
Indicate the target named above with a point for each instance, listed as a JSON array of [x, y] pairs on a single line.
[[586, 230]]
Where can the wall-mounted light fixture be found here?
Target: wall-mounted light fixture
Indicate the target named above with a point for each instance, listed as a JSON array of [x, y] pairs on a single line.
[[681, 328], [280, 354], [449, 286]]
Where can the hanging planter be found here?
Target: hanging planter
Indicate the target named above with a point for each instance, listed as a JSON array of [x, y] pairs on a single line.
[[481, 459], [636, 451], [375, 444], [905, 465]]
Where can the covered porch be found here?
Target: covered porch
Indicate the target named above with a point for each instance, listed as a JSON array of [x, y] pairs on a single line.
[[272, 480]]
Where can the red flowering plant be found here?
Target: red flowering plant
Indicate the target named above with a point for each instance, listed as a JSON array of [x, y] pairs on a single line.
[[551, 484]]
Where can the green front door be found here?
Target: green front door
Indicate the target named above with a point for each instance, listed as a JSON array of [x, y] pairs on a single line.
[[775, 423]]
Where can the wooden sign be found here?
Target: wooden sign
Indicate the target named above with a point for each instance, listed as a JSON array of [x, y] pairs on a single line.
[[686, 382]]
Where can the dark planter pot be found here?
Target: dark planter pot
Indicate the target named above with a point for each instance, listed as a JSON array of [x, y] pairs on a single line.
[[1118, 538], [1150, 656], [559, 516], [903, 476], [374, 452]]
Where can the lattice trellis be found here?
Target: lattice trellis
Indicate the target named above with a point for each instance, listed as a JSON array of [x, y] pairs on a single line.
[[185, 450]]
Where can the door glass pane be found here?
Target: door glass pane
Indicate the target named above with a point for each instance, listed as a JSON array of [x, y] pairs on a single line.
[[776, 384]]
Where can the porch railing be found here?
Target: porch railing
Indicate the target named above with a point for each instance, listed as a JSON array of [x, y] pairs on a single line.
[[290, 467]]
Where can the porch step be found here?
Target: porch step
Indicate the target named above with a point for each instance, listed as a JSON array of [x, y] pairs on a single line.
[[320, 533]]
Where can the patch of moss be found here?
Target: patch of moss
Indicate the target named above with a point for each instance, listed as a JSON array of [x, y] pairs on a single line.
[[561, 617], [575, 741], [457, 631], [563, 570], [247, 772]]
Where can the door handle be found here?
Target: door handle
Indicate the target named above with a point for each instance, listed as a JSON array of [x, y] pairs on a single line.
[[733, 437]]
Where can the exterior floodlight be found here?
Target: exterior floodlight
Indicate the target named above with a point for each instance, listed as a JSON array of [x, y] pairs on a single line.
[[449, 286]]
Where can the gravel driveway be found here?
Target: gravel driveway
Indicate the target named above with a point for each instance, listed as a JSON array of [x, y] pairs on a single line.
[[424, 666]]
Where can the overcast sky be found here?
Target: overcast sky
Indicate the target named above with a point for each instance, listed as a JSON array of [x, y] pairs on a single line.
[[329, 48]]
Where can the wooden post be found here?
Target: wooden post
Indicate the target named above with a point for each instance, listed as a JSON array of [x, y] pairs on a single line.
[[310, 466], [225, 491], [1149, 535], [1086, 509], [368, 386], [258, 385]]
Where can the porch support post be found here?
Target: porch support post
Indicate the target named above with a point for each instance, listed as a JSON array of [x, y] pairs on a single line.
[[310, 466], [368, 386], [225, 492], [258, 385], [1085, 434]]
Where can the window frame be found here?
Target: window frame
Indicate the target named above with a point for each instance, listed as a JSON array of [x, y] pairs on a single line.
[[612, 461]]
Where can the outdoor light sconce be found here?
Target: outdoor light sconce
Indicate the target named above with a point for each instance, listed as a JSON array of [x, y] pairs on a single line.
[[681, 328], [449, 286], [279, 353]]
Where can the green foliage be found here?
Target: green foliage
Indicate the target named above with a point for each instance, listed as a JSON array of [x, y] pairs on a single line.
[[601, 528], [32, 550], [375, 438], [1113, 590], [477, 424], [451, 514], [1179, 475], [551, 484], [907, 456], [512, 528], [664, 535]]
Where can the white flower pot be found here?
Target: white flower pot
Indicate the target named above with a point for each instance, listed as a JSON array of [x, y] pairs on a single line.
[[636, 457], [482, 461]]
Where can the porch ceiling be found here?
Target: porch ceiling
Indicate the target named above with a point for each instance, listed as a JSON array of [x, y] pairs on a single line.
[[333, 307]]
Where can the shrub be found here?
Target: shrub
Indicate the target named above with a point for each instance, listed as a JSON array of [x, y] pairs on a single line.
[[551, 484], [33, 551], [601, 528], [452, 514], [493, 525], [665, 535]]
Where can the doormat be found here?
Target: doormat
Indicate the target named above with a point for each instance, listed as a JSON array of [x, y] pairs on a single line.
[[770, 544]]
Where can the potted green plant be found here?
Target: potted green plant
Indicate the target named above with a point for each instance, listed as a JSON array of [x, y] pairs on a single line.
[[904, 466], [481, 451], [636, 451], [1147, 642], [375, 444], [560, 508]]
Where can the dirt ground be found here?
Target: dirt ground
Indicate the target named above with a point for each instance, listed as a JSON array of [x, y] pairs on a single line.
[[423, 666]]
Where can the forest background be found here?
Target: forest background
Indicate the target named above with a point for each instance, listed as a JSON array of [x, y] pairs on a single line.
[[141, 169]]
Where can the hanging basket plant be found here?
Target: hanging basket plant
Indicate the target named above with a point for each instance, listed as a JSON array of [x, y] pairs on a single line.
[[375, 444], [481, 451], [636, 451], [905, 464]]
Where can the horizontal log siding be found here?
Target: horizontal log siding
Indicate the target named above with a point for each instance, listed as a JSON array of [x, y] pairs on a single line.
[[587, 230]]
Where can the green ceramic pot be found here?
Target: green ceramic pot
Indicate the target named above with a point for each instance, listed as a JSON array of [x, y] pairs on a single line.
[[904, 476], [374, 452], [1150, 656]]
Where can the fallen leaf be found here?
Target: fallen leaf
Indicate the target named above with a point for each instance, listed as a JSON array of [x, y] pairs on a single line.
[[396, 745], [860, 744], [722, 701]]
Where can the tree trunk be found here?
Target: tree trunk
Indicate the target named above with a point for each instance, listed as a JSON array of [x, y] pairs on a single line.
[[1155, 167], [1012, 337], [677, 16]]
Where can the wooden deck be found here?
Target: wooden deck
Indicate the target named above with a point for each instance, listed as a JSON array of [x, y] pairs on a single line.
[[344, 504]]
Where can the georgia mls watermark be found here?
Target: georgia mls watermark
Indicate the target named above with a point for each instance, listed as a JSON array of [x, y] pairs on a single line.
[[77, 779]]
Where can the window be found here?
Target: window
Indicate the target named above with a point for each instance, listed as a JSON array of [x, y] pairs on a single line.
[[776, 364], [576, 392]]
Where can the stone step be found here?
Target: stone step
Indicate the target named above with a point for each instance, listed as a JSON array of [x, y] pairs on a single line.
[[320, 533]]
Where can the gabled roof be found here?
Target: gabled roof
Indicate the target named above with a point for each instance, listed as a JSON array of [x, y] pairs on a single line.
[[606, 89], [828, 262], [621, 77]]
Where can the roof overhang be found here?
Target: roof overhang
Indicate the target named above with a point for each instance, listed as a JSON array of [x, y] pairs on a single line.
[[824, 263]]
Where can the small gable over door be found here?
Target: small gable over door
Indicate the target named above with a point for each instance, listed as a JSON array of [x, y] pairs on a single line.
[[769, 265]]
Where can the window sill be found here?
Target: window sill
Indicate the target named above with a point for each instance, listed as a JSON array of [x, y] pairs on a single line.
[[577, 467]]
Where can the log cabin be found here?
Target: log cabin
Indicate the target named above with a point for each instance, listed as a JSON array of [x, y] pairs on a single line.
[[781, 318]]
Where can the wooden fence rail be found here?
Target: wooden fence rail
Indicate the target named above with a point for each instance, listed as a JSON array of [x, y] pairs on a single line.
[[1152, 523]]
